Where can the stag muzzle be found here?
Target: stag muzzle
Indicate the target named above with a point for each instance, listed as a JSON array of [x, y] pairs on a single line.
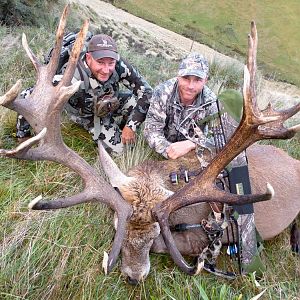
[[135, 252], [138, 273]]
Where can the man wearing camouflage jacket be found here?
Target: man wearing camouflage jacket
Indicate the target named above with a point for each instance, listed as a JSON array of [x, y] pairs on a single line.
[[99, 106], [175, 123]]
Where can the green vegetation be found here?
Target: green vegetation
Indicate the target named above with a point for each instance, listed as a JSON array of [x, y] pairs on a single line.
[[224, 25], [25, 12], [58, 254]]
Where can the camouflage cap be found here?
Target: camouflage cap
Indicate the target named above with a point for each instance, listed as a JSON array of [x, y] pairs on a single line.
[[102, 45], [194, 64]]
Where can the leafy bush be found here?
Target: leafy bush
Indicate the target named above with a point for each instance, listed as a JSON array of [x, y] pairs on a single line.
[[24, 12]]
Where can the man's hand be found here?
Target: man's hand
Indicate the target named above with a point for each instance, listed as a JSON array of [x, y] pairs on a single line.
[[178, 149], [128, 135]]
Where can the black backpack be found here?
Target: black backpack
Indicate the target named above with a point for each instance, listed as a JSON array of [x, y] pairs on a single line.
[[68, 42]]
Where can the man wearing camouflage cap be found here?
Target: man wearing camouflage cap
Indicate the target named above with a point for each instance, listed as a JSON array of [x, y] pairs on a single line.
[[109, 114], [174, 123]]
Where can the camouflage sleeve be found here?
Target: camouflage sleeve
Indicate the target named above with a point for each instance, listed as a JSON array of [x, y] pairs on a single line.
[[155, 122], [140, 88]]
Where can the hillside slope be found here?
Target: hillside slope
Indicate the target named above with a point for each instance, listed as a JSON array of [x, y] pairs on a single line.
[[168, 40]]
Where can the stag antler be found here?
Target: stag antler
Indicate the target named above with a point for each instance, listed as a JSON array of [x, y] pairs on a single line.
[[254, 126], [43, 112]]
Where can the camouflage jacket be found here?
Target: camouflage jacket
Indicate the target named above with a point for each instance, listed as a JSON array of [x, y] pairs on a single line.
[[168, 121], [91, 89]]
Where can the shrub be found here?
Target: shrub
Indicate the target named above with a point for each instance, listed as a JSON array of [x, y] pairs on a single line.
[[24, 12]]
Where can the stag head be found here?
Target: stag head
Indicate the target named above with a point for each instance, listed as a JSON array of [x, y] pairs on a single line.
[[143, 194], [144, 207]]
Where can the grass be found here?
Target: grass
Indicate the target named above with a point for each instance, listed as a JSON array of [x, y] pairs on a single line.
[[58, 254], [224, 25]]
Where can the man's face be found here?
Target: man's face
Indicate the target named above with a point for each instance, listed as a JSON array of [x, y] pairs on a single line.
[[189, 88], [101, 68]]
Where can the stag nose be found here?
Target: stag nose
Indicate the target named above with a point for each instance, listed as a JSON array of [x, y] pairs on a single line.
[[132, 281]]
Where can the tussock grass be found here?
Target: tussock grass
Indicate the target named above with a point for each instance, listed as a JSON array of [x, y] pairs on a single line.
[[58, 254]]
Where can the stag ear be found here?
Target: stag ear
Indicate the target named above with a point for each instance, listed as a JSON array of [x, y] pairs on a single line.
[[116, 177]]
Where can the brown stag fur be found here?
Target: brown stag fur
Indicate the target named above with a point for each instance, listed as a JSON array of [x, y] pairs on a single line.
[[142, 194], [147, 189], [266, 164], [271, 217]]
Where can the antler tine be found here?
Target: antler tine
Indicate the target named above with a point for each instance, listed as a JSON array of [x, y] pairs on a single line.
[[252, 51], [53, 63], [42, 109], [30, 54], [249, 88], [23, 147], [7, 99], [68, 74], [56, 52], [255, 125]]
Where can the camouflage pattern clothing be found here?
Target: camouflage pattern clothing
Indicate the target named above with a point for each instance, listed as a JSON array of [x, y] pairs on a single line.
[[247, 237], [129, 108], [168, 121]]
